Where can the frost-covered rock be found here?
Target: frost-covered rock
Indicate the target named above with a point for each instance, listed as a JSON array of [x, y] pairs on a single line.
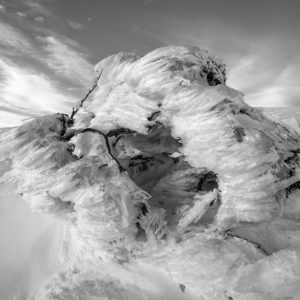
[[171, 186]]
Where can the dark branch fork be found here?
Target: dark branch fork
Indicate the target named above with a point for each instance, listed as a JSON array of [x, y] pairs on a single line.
[[79, 131], [107, 145], [112, 133]]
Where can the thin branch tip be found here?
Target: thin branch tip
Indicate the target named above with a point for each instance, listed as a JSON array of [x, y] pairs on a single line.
[[76, 108]]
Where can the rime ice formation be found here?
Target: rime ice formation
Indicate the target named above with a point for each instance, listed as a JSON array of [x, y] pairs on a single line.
[[168, 186]]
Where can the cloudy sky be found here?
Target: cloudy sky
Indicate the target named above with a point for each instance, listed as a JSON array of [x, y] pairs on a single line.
[[48, 47]]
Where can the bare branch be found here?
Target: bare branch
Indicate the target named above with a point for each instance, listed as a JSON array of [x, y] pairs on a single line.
[[80, 131], [76, 109]]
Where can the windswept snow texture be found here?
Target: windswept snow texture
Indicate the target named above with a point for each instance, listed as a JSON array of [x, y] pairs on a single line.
[[166, 185]]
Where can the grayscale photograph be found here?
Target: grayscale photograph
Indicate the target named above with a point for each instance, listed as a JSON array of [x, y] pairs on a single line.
[[149, 150]]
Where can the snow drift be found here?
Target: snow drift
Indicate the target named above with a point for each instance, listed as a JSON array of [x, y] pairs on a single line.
[[167, 186]]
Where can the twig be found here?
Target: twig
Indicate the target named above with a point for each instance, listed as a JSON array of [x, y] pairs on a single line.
[[229, 234], [76, 109], [106, 142]]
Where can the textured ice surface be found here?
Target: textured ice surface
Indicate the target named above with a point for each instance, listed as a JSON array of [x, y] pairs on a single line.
[[167, 186]]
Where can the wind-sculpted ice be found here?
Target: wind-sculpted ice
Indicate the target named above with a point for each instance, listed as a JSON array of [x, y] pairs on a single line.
[[168, 184]]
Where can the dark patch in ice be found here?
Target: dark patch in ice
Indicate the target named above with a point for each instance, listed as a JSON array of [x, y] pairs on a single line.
[[248, 112], [154, 115], [295, 186], [119, 131], [212, 79], [239, 133], [293, 162], [102, 166], [208, 182], [221, 105], [182, 287], [64, 118]]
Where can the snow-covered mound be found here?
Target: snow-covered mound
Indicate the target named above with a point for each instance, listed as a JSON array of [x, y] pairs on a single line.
[[168, 184]]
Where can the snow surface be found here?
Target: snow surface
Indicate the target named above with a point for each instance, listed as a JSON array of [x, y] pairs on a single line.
[[167, 186]]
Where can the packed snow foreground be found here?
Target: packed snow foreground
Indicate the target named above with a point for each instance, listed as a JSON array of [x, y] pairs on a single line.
[[164, 185]]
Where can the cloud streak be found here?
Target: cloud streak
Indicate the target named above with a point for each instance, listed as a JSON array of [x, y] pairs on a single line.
[[39, 19], [65, 60], [268, 77], [2, 8], [21, 14], [55, 61], [35, 6], [12, 40], [24, 92], [58, 70], [75, 25]]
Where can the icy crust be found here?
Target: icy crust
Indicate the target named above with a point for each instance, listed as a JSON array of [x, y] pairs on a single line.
[[89, 192], [217, 129], [172, 187], [133, 87]]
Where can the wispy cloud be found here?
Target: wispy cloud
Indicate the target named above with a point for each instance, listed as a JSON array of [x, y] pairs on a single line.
[[40, 75], [2, 8], [21, 14], [11, 39], [25, 92], [35, 6], [39, 19], [278, 87], [64, 58], [75, 25], [268, 77]]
